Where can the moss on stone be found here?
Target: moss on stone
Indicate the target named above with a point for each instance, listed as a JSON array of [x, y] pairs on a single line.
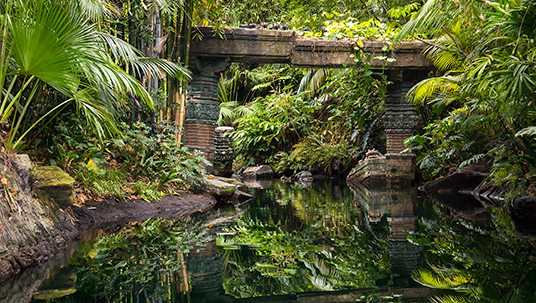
[[53, 182]]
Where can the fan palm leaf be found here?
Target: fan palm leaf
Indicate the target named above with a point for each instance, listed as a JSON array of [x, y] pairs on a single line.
[[97, 10], [52, 43]]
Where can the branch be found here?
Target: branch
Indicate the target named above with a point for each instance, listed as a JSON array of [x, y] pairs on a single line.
[[455, 42], [431, 44]]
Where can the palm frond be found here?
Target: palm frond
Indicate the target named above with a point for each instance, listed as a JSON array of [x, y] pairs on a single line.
[[440, 279], [452, 299], [126, 54], [313, 80], [427, 88], [97, 10], [432, 16]]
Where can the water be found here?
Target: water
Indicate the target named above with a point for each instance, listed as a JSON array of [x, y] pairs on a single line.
[[316, 242]]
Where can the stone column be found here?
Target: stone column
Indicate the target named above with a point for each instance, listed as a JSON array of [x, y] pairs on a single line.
[[223, 155], [203, 106], [400, 122]]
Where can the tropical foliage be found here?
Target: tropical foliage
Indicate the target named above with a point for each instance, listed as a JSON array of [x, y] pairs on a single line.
[[144, 164], [52, 52], [324, 122], [482, 106], [74, 72]]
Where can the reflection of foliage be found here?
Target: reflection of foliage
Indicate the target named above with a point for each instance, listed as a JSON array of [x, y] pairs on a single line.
[[484, 264], [138, 260], [315, 248]]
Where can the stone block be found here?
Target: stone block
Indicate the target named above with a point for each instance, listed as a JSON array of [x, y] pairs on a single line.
[[370, 172], [401, 169], [54, 183], [258, 172]]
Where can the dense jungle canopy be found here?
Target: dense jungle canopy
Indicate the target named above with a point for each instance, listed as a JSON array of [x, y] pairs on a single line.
[[93, 86]]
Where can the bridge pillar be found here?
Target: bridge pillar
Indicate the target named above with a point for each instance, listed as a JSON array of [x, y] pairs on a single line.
[[203, 105], [400, 122]]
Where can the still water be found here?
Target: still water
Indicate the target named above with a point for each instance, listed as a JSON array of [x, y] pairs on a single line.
[[312, 242]]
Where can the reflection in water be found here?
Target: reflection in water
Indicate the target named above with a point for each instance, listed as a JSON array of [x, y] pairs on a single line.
[[484, 263], [323, 238], [295, 241], [141, 262], [396, 211]]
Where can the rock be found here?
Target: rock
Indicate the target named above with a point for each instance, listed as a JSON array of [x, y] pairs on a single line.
[[220, 189], [371, 172], [55, 183], [462, 181], [239, 185], [304, 175], [481, 166], [22, 165], [258, 172]]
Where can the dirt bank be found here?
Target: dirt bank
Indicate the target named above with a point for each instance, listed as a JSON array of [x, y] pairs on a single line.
[[32, 231], [113, 212]]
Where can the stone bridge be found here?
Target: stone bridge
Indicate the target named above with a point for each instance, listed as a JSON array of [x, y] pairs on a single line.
[[216, 51]]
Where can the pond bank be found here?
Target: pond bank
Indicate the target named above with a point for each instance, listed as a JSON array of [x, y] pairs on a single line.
[[33, 230]]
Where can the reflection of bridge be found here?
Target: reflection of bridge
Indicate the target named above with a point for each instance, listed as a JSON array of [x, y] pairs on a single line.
[[214, 53]]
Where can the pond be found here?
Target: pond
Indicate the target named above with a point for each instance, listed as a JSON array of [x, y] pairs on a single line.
[[299, 242]]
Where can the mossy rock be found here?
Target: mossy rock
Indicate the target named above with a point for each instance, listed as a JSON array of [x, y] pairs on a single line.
[[220, 189], [54, 183]]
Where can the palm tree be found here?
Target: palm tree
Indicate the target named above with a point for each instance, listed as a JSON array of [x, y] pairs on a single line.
[[486, 51], [52, 45]]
